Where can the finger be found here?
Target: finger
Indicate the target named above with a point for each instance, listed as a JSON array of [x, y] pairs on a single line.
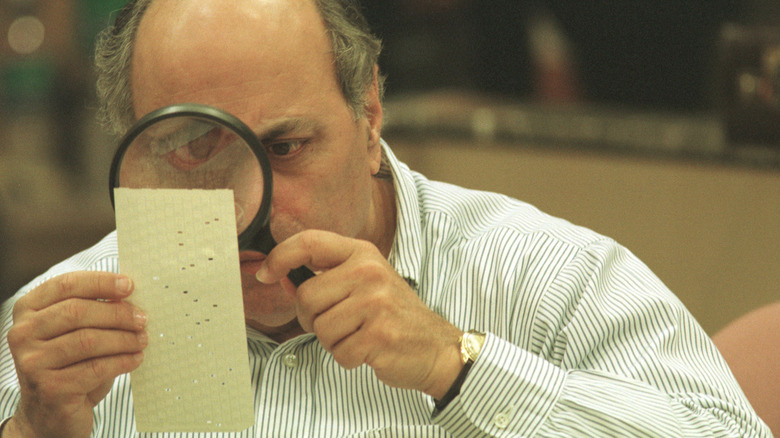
[[320, 250], [351, 352], [288, 286], [73, 314], [315, 298], [90, 375], [88, 285], [318, 296], [90, 344], [335, 325]]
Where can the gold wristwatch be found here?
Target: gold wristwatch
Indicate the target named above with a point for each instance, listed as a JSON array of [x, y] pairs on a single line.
[[471, 344]]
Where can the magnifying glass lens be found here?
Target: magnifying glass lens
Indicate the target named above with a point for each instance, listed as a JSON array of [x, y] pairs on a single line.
[[193, 146], [189, 152]]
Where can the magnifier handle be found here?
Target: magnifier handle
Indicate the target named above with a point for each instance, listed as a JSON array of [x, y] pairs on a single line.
[[299, 275]]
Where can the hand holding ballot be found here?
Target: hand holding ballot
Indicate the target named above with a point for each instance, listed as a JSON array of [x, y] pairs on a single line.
[[71, 337]]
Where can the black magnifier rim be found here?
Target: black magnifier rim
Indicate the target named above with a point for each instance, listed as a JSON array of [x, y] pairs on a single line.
[[260, 221]]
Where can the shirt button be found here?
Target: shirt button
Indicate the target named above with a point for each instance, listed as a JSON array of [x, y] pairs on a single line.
[[501, 420], [290, 360]]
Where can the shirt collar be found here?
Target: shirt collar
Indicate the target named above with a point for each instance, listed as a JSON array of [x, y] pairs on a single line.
[[256, 335], [406, 252]]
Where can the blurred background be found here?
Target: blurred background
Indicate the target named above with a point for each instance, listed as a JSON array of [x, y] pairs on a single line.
[[654, 122]]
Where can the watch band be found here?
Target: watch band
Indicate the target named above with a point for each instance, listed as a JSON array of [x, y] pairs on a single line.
[[470, 347], [454, 390]]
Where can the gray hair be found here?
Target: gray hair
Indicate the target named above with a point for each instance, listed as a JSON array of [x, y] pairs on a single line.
[[355, 53]]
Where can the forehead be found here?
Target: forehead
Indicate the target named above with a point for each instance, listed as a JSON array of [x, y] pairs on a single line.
[[229, 50]]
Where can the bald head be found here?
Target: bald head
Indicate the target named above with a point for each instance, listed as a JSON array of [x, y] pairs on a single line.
[[352, 47], [190, 48], [214, 27]]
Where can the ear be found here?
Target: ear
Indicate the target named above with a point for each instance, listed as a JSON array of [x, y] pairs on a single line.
[[374, 117]]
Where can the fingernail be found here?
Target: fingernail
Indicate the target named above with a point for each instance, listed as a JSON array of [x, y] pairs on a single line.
[[140, 318], [123, 285], [262, 275]]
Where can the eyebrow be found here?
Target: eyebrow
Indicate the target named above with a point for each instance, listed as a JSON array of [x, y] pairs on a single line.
[[281, 127]]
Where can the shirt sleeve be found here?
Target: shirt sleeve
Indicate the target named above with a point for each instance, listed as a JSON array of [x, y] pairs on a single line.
[[617, 355], [9, 384]]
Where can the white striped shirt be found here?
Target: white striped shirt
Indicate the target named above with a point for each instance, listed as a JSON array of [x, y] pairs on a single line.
[[583, 340]]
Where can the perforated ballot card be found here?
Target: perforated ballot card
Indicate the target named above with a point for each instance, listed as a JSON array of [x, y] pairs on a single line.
[[180, 249]]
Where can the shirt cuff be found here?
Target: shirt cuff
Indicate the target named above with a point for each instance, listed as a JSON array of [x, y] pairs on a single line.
[[507, 389]]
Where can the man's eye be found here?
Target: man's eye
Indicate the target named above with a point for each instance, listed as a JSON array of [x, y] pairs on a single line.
[[283, 148]]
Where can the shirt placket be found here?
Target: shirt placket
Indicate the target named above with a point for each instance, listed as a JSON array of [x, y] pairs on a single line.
[[285, 402]]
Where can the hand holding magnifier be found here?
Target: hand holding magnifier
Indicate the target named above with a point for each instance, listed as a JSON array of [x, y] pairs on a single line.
[[193, 146]]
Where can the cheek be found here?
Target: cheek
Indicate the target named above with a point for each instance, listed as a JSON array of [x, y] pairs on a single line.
[[349, 201], [307, 201], [332, 193], [337, 201]]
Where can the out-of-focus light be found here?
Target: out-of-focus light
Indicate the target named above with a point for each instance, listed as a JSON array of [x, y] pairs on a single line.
[[25, 35], [748, 84]]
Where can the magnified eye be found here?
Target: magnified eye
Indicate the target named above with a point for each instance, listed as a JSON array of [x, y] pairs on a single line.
[[190, 149], [194, 153], [283, 148]]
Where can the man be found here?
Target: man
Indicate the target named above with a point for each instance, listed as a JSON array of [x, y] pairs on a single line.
[[571, 334]]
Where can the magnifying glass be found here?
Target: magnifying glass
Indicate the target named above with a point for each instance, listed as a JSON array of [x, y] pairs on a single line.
[[193, 146]]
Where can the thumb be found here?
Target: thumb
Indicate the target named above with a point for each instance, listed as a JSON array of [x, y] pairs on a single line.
[[318, 250]]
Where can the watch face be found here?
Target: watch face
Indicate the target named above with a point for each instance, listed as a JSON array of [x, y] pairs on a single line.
[[472, 343]]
